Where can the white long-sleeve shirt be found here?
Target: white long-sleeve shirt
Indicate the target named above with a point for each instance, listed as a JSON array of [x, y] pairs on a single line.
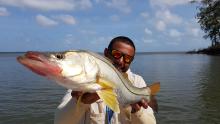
[[68, 113]]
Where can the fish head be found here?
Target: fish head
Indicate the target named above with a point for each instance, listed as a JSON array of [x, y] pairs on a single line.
[[67, 68], [40, 63]]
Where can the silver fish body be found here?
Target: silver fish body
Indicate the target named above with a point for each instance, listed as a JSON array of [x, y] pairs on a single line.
[[86, 71]]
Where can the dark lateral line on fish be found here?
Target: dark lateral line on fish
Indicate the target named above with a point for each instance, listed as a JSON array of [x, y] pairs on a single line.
[[96, 56]]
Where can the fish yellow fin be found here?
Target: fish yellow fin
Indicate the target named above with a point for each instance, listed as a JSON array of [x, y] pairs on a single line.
[[155, 87], [109, 97], [107, 94], [105, 82], [78, 102]]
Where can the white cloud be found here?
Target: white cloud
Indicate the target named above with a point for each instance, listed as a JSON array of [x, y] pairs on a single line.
[[165, 18], [195, 31], [67, 19], [121, 5], [144, 14], [100, 40], [148, 40], [3, 11], [192, 28], [69, 39], [168, 17], [48, 5], [160, 25], [85, 4], [45, 21], [175, 33], [168, 3], [147, 31]]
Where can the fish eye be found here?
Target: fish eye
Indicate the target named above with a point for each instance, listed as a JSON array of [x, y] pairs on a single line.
[[59, 56]]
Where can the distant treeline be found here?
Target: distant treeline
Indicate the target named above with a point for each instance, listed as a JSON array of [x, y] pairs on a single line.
[[212, 50]]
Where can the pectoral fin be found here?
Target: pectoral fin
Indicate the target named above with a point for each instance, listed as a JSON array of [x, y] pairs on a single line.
[[105, 82], [155, 87], [107, 94], [109, 97]]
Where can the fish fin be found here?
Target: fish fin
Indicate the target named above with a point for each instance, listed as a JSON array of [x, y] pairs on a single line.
[[107, 94], [153, 104], [105, 83], [78, 103], [109, 97], [155, 87]]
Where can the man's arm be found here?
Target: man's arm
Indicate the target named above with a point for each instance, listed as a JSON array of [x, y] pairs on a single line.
[[141, 112]]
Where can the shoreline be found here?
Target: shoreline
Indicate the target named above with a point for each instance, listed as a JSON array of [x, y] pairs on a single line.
[[212, 50]]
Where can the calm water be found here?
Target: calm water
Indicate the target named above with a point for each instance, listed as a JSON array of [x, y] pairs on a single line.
[[189, 89]]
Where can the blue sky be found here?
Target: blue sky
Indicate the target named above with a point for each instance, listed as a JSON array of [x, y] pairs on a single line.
[[57, 25]]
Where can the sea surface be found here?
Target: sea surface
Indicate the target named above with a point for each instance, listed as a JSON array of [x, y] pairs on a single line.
[[190, 89]]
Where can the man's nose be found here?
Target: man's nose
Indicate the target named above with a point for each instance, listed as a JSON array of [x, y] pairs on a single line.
[[121, 61]]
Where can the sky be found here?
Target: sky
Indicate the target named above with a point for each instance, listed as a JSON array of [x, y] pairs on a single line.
[[58, 25]]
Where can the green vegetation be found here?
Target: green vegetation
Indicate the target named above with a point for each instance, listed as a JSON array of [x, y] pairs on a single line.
[[209, 20]]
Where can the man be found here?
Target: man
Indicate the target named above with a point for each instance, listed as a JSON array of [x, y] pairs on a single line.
[[121, 52]]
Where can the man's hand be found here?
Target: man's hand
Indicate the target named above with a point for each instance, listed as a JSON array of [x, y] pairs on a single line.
[[76, 94], [87, 98], [137, 106]]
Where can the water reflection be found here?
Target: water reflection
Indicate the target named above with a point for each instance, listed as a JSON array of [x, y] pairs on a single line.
[[209, 92]]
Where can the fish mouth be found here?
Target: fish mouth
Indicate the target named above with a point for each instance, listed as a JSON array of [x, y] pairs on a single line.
[[37, 56], [39, 63]]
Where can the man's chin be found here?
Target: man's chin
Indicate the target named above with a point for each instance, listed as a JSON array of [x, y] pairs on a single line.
[[119, 69], [123, 70]]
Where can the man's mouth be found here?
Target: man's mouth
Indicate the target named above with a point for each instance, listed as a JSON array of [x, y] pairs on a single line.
[[121, 69]]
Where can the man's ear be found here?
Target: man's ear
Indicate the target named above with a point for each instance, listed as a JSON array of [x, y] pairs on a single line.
[[106, 52]]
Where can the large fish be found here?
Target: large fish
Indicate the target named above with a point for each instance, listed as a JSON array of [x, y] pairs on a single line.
[[86, 71]]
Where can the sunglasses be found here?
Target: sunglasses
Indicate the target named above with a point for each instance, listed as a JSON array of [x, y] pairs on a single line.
[[118, 54]]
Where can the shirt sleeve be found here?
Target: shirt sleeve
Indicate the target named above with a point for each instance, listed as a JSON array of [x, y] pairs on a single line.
[[138, 81], [68, 112]]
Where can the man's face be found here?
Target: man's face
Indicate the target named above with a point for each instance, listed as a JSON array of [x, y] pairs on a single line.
[[121, 55]]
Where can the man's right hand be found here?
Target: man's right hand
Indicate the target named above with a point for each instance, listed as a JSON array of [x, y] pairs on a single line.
[[87, 98]]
